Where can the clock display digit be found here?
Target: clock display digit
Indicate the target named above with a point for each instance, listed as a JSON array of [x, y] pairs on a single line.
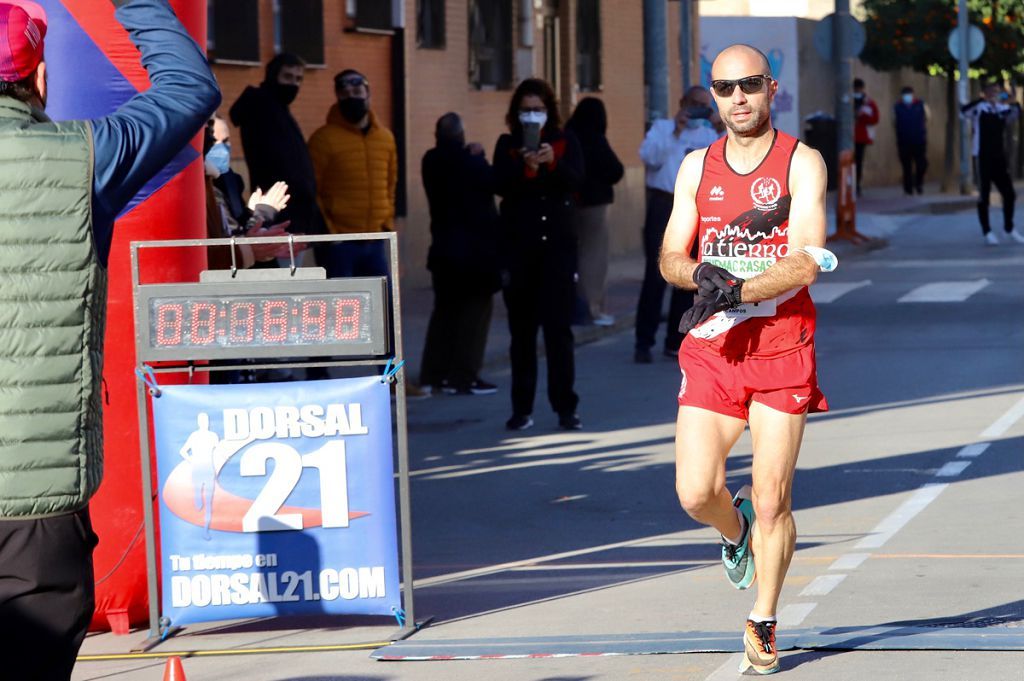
[[275, 321], [169, 321], [314, 320], [243, 322]]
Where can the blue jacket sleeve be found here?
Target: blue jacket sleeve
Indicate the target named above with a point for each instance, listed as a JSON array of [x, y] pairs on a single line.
[[142, 136]]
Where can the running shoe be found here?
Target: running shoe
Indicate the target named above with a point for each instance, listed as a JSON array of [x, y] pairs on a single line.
[[759, 650], [1016, 236], [477, 387], [570, 421], [739, 563], [991, 239], [519, 422]]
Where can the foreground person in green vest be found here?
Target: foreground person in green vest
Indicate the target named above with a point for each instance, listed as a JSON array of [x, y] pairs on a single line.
[[63, 184]]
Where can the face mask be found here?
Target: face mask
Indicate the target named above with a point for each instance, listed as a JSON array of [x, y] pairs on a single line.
[[538, 117], [1003, 96], [908, 99], [353, 109], [285, 94], [220, 157], [858, 97], [703, 112]]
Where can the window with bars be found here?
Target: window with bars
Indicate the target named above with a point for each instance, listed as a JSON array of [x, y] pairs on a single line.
[[588, 45], [233, 34], [299, 29], [430, 24], [490, 44]]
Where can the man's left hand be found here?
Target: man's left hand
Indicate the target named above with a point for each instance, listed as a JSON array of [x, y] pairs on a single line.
[[703, 308]]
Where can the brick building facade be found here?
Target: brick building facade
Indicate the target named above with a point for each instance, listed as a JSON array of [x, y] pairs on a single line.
[[426, 57]]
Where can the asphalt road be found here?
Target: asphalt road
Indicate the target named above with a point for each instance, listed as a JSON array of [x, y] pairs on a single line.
[[907, 501]]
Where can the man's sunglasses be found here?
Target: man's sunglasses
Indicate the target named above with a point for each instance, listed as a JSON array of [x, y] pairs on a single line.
[[750, 85], [351, 81]]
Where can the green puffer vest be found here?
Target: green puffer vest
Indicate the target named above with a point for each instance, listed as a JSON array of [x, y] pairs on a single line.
[[52, 306]]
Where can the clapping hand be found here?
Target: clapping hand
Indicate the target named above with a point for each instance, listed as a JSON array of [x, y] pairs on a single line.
[[276, 197]]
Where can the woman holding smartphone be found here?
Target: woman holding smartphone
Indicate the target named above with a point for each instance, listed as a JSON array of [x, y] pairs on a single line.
[[538, 168]]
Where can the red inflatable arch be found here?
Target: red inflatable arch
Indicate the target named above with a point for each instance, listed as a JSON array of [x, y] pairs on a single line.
[[93, 68]]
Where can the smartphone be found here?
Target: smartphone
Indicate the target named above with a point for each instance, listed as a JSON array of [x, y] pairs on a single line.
[[531, 136]]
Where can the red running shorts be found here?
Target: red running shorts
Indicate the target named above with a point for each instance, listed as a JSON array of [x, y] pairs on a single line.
[[788, 383]]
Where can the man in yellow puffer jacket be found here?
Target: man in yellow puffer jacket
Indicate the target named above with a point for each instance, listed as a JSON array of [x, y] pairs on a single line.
[[356, 166]]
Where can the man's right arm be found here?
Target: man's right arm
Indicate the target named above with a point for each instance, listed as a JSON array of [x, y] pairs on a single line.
[[675, 263], [142, 136]]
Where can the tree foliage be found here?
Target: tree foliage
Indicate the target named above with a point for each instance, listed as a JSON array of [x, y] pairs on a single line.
[[914, 34]]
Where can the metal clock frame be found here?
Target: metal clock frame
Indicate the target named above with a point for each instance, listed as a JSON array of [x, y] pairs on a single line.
[[293, 278]]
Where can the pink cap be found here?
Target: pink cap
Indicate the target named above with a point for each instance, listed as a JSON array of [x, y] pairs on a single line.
[[22, 29]]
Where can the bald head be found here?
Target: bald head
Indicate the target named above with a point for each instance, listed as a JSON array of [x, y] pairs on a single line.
[[739, 61]]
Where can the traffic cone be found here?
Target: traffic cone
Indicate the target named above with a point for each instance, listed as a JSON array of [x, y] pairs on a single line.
[[174, 671]]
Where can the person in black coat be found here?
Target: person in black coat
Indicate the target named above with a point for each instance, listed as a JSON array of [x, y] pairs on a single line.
[[463, 260], [274, 147], [537, 186], [589, 122]]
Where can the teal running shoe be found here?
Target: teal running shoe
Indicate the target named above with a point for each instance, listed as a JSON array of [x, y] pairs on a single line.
[[738, 561]]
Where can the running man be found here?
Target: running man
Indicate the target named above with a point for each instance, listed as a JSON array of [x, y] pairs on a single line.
[[198, 451], [754, 200]]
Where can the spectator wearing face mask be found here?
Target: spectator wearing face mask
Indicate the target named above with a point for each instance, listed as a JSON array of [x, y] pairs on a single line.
[[865, 113], [274, 146], [695, 126], [228, 185], [910, 116], [356, 165]]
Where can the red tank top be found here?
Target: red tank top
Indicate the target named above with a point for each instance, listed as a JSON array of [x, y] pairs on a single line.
[[744, 227]]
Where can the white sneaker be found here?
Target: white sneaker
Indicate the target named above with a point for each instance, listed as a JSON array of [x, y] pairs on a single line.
[[608, 320], [991, 239], [1017, 236]]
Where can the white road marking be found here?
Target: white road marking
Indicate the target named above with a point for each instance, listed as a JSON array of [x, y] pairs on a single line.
[[794, 614], [729, 669], [952, 469], [849, 561], [971, 451], [829, 292], [945, 292], [823, 585], [895, 521], [1005, 422]]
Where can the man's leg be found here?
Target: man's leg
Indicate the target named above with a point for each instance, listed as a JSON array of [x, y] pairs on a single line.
[[908, 172], [47, 594], [703, 441], [1001, 179], [652, 291], [776, 438], [523, 323], [984, 192]]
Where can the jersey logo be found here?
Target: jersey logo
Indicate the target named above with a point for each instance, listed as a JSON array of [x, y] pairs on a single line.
[[716, 194], [800, 398], [766, 192]]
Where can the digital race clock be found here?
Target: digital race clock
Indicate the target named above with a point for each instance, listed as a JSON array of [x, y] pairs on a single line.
[[253, 319]]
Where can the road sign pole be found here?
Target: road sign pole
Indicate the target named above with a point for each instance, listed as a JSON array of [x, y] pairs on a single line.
[[963, 94]]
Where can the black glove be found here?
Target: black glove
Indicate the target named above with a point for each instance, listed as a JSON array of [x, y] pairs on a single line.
[[702, 309], [711, 279]]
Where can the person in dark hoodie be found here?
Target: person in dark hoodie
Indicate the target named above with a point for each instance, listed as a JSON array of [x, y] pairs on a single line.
[[274, 146], [537, 178], [463, 260], [603, 168]]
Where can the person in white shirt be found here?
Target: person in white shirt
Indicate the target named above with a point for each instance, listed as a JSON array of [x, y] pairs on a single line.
[[990, 115], [695, 126]]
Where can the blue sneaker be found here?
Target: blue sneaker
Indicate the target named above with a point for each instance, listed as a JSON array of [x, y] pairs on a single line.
[[739, 564]]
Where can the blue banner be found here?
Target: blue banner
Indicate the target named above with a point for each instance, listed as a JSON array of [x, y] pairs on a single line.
[[276, 499]]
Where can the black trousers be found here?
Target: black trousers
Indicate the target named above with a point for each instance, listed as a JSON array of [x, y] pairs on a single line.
[[914, 159], [537, 303], [457, 333], [992, 171], [858, 158], [652, 291], [47, 595]]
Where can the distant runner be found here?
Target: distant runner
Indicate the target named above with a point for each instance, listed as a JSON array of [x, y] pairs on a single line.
[[755, 200]]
